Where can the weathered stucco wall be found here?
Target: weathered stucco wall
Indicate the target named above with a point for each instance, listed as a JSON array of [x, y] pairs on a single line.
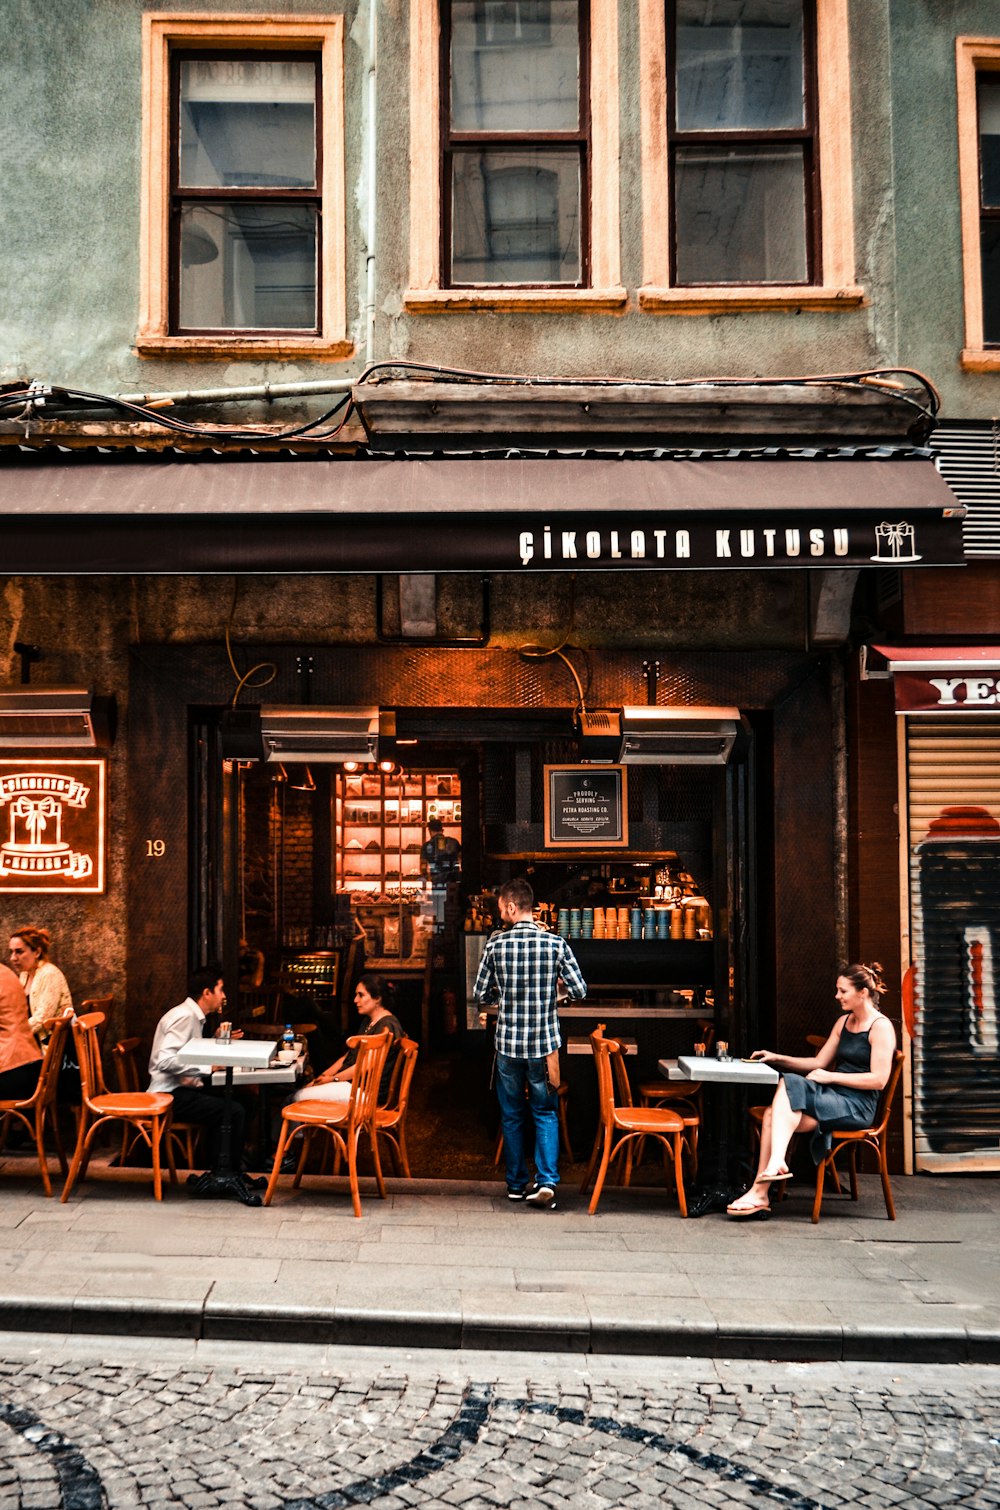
[[925, 145], [70, 81]]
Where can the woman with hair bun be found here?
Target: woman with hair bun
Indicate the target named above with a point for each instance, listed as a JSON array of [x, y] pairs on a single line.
[[373, 999], [837, 1089], [43, 982]]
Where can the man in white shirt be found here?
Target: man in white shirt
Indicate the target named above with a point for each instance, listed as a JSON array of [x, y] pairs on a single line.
[[190, 1086]]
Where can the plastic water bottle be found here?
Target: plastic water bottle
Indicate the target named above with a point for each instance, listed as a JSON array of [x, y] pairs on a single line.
[[288, 1038]]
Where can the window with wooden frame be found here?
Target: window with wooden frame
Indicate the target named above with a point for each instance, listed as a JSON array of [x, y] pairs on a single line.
[[746, 155], [741, 123], [514, 148], [979, 177], [243, 208]]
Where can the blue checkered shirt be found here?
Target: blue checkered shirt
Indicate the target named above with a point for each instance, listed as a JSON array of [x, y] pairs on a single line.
[[519, 969]]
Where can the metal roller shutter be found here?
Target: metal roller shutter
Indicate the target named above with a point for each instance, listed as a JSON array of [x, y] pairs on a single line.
[[953, 787]]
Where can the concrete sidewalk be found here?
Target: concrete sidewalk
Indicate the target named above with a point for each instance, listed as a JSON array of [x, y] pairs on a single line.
[[445, 1264]]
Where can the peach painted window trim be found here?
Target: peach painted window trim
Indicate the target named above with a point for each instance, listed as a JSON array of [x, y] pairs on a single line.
[[973, 55], [162, 31], [838, 289], [426, 295]]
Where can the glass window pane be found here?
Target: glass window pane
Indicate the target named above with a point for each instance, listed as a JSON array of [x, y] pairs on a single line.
[[248, 266], [515, 65], [988, 88], [991, 281], [740, 215], [516, 217], [246, 122], [739, 65]]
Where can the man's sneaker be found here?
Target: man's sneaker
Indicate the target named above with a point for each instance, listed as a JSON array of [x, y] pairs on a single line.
[[513, 1194], [541, 1195]]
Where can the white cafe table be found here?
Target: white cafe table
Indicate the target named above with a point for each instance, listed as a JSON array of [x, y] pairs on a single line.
[[276, 1073], [713, 1071], [202, 1055]]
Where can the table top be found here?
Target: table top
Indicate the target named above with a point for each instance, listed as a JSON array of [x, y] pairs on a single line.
[[726, 1071], [248, 1053]]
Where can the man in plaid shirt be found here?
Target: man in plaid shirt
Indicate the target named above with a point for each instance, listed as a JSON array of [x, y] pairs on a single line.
[[523, 968]]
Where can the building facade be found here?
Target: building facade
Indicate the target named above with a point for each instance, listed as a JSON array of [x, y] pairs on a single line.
[[489, 364]]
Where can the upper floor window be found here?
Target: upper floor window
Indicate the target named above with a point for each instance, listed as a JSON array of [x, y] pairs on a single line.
[[988, 99], [514, 155], [245, 198], [741, 117], [243, 224], [515, 150], [978, 65], [746, 147]]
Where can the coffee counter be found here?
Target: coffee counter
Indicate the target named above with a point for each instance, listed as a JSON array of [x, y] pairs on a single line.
[[644, 964]]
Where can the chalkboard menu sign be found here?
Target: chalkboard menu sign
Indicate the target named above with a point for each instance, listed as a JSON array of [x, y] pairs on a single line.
[[585, 807]]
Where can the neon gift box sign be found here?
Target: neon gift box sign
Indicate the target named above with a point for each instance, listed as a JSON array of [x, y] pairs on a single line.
[[52, 822]]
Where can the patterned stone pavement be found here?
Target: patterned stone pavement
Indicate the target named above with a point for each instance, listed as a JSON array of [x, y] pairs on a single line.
[[104, 1423]]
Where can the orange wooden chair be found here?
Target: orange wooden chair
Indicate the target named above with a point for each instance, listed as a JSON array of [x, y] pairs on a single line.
[[680, 1094], [873, 1137], [390, 1120], [148, 1111], [344, 1121], [184, 1136], [33, 1110], [621, 1126]]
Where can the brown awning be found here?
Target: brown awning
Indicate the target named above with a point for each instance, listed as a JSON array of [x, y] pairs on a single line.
[[255, 514]]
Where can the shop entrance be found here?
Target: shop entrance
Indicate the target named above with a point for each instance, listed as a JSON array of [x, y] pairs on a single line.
[[393, 869]]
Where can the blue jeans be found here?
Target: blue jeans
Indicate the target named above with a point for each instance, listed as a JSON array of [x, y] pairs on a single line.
[[513, 1076]]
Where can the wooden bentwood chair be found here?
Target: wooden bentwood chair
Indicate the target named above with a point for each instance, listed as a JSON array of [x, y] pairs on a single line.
[[864, 1137], [147, 1111], [344, 1121], [184, 1136], [622, 1125], [390, 1120], [33, 1110]]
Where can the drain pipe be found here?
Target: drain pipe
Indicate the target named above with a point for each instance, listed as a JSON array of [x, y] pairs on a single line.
[[250, 391], [371, 101]]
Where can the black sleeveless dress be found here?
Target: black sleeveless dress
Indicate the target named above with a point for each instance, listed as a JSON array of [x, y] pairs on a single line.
[[836, 1107]]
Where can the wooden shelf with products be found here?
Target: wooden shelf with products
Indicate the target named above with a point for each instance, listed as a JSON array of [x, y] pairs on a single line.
[[381, 823]]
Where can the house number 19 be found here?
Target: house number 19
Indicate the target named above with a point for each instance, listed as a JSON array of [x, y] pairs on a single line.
[[156, 847]]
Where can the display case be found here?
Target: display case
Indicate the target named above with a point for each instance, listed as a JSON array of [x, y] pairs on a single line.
[[381, 823]]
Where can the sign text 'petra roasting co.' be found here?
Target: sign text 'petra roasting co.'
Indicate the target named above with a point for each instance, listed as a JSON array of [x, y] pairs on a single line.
[[586, 807], [948, 691], [52, 825]]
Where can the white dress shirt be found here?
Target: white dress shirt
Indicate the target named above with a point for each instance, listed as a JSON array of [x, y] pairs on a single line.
[[174, 1029]]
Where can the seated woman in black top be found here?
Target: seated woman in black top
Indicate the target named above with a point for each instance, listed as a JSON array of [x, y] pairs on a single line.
[[814, 1098], [371, 998]]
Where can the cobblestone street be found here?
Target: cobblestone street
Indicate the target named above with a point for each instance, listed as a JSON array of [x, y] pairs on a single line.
[[91, 1423]]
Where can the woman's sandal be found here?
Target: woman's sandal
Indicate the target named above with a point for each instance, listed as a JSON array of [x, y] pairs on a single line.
[[759, 1212], [768, 1179]]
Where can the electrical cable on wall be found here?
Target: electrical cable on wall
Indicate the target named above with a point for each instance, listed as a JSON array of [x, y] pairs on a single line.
[[23, 402], [244, 679], [542, 652]]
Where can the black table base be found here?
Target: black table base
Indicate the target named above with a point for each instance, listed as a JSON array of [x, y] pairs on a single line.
[[222, 1185]]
